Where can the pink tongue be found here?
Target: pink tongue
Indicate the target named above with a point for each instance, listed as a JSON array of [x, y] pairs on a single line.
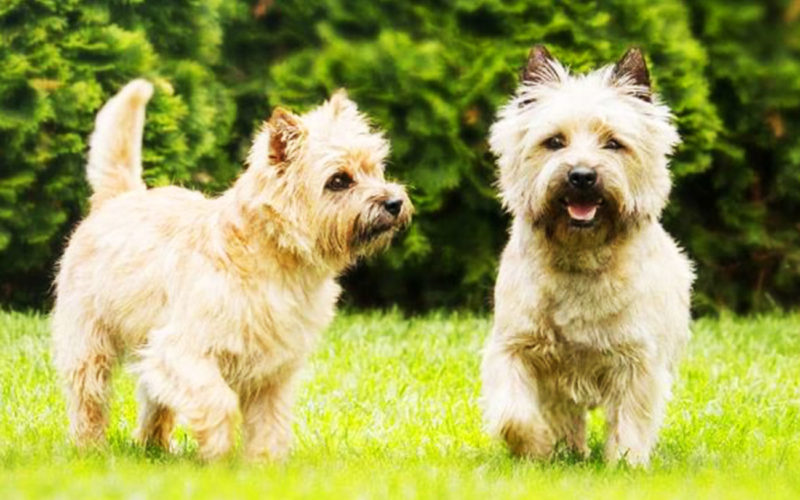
[[582, 212]]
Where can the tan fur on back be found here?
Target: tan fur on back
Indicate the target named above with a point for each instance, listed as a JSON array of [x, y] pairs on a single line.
[[584, 316], [217, 300]]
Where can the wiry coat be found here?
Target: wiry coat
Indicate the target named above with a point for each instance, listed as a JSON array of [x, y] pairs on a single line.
[[593, 315], [219, 300]]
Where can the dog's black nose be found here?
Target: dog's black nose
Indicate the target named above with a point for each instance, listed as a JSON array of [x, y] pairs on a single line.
[[582, 177], [393, 205]]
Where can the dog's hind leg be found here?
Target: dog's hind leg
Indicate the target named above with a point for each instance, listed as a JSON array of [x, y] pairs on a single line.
[[511, 404], [575, 433], [84, 355], [156, 420], [190, 384], [267, 417]]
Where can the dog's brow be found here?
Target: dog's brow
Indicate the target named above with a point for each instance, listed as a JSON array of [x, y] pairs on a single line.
[[601, 125], [363, 161]]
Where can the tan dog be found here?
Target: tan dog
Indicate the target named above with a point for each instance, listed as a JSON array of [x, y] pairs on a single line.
[[221, 299], [592, 297]]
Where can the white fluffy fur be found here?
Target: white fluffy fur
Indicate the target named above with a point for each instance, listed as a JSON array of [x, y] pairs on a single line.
[[582, 105], [584, 317], [219, 301]]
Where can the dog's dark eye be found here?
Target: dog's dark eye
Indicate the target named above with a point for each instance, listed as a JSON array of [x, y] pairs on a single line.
[[525, 103], [613, 145], [339, 182], [555, 143]]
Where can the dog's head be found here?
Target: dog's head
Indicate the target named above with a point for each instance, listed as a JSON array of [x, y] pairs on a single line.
[[584, 156], [322, 175]]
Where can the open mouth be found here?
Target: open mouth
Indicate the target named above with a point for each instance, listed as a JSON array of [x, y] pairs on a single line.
[[582, 213]]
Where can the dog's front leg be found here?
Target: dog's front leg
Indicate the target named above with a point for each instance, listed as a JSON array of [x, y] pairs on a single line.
[[268, 417], [190, 384], [635, 418], [511, 403]]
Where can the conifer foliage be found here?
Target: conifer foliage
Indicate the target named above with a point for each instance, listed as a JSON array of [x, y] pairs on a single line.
[[433, 75], [60, 60]]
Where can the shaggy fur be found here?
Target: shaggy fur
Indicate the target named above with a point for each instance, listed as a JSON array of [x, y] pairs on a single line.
[[592, 297], [219, 300]]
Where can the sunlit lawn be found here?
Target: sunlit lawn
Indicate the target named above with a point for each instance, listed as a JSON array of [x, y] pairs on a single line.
[[388, 409]]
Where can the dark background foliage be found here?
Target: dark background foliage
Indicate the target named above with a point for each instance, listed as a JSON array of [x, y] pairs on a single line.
[[432, 73]]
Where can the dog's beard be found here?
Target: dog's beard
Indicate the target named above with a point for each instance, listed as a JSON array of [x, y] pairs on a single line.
[[373, 231], [375, 243], [582, 219], [354, 234]]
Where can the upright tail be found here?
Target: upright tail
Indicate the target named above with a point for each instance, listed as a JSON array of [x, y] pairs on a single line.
[[115, 149]]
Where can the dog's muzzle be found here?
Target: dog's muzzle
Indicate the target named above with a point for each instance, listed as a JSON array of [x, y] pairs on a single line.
[[393, 206], [389, 214], [583, 196]]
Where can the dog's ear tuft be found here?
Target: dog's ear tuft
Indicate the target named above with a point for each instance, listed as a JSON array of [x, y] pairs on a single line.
[[285, 133], [631, 69], [340, 94], [540, 67], [340, 104]]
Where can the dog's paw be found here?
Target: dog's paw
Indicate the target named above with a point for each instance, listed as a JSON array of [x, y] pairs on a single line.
[[528, 440]]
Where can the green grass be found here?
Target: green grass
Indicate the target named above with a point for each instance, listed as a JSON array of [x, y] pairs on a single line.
[[388, 409]]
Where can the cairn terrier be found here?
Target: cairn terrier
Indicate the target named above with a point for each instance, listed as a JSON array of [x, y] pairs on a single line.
[[219, 300], [592, 297]]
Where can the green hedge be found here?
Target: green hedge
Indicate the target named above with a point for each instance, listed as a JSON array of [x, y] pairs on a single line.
[[60, 60], [743, 215], [432, 74]]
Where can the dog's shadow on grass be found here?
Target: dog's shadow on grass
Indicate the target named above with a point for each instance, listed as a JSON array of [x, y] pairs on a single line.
[[498, 460], [182, 450], [495, 459]]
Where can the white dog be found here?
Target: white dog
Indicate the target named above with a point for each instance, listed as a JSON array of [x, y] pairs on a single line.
[[592, 297], [220, 300]]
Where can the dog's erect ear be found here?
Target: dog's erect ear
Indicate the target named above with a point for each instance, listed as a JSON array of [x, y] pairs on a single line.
[[340, 104], [285, 134], [632, 69], [540, 67]]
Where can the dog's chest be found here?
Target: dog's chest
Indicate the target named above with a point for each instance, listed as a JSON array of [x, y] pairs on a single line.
[[577, 300], [584, 373], [279, 327], [588, 345]]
